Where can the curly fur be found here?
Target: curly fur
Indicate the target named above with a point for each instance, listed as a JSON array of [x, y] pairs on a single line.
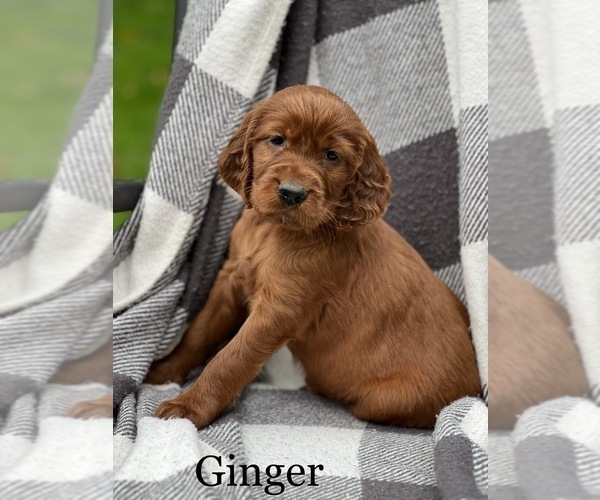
[[373, 327]]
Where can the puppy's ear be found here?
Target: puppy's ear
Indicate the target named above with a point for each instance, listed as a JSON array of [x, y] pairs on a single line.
[[235, 161], [369, 191]]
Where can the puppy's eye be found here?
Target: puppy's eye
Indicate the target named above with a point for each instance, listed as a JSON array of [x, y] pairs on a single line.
[[277, 140], [331, 156]]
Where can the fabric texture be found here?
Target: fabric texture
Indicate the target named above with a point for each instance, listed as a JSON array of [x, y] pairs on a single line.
[[544, 210], [55, 305], [157, 458], [416, 73]]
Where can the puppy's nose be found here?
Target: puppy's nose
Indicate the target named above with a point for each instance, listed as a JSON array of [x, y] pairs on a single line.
[[291, 194]]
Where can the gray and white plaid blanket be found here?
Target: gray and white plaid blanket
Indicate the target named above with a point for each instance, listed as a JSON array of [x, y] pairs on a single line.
[[55, 305], [544, 65], [416, 71], [416, 74]]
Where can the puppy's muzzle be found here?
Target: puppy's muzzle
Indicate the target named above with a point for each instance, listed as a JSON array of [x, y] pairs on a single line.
[[291, 194]]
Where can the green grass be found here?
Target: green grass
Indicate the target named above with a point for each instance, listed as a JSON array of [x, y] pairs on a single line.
[[143, 34], [47, 53]]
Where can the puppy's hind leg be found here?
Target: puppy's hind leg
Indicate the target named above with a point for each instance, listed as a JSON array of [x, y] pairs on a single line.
[[394, 404], [222, 312]]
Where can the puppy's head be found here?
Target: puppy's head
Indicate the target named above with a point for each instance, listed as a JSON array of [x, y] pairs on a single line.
[[303, 159]]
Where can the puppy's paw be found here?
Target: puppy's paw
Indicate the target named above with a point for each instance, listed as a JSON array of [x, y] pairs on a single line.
[[95, 408], [180, 407], [162, 372]]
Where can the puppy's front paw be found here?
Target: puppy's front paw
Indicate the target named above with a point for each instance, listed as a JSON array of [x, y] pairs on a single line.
[[180, 407], [96, 408], [162, 372]]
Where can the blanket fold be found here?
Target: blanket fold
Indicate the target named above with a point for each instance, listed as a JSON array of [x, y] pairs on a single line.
[[545, 226], [55, 306]]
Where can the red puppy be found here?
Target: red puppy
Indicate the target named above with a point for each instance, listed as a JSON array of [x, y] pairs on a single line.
[[312, 266]]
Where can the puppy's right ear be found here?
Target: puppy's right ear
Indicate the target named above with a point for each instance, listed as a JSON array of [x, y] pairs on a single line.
[[235, 161]]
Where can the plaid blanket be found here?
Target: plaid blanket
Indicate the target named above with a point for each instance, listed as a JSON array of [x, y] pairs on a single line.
[[416, 74], [157, 459], [430, 126], [544, 157], [55, 305], [553, 452]]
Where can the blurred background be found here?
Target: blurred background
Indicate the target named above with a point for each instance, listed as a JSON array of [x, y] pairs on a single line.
[[47, 68], [43, 75], [56, 104], [143, 31]]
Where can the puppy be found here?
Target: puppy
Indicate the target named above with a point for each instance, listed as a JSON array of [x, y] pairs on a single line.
[[311, 265], [533, 357]]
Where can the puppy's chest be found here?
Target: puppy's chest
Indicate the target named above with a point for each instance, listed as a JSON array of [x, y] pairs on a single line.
[[258, 267], [266, 270], [249, 278]]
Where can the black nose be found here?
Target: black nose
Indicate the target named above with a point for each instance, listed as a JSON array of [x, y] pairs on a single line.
[[291, 194]]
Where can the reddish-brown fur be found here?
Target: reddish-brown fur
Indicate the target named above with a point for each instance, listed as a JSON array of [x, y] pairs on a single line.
[[533, 357], [373, 327], [96, 367]]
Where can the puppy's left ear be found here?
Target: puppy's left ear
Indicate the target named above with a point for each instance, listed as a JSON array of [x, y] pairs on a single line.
[[369, 191]]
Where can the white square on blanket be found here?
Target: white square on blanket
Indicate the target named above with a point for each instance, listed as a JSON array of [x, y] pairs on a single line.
[[475, 425], [464, 26], [576, 56], [582, 425], [162, 449], [335, 449], [66, 449], [238, 50]]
